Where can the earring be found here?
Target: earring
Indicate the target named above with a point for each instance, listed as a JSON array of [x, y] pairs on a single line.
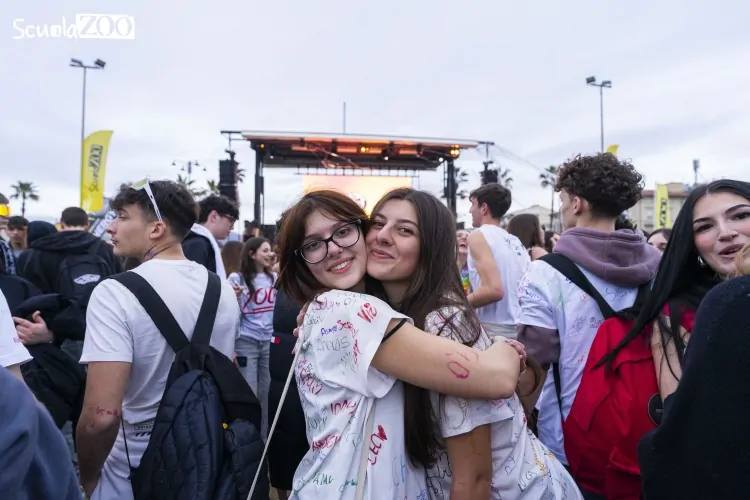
[[701, 262]]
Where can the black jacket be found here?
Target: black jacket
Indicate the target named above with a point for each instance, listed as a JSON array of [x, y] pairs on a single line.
[[199, 249], [16, 290], [55, 378], [41, 266], [289, 443], [702, 448]]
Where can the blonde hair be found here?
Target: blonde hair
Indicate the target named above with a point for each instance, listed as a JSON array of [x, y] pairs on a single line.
[[743, 261]]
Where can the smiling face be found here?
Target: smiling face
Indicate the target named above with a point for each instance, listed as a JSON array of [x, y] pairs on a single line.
[[339, 263], [393, 242], [462, 240], [721, 227], [263, 257]]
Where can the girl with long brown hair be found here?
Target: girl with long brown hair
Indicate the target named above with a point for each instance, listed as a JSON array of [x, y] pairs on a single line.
[[257, 295], [470, 448]]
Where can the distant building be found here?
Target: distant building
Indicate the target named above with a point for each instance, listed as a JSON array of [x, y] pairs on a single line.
[[544, 217], [643, 213]]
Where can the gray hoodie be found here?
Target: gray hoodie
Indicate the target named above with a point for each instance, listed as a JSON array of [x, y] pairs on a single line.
[[622, 258]]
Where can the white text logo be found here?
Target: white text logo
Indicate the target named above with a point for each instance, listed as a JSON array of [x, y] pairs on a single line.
[[110, 26]]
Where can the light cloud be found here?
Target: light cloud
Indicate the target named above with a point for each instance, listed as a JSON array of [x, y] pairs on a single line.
[[509, 72]]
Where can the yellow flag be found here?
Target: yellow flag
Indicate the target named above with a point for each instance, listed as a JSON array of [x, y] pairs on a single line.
[[661, 207], [613, 149], [95, 148]]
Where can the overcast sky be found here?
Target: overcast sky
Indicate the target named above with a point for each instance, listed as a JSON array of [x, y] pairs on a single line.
[[504, 71]]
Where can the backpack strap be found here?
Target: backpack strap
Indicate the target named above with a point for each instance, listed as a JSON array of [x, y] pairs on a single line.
[[155, 308], [204, 325], [163, 318], [359, 494], [567, 268], [570, 270]]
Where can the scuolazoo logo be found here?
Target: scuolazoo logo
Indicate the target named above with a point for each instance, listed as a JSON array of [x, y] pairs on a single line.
[[112, 26]]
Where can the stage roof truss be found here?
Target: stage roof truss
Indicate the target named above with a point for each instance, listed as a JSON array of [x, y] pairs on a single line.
[[351, 154], [349, 151], [331, 169]]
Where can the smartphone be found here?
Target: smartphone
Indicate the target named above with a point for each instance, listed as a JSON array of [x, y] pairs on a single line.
[[242, 361]]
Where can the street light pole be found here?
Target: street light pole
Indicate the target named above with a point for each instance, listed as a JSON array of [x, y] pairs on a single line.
[[605, 84], [76, 63], [187, 166]]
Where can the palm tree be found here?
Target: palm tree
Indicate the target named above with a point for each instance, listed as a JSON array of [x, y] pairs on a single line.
[[240, 174], [547, 180], [213, 187], [25, 191], [189, 184], [504, 178]]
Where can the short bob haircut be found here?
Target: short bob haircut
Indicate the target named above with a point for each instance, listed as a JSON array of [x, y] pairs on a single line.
[[295, 277]]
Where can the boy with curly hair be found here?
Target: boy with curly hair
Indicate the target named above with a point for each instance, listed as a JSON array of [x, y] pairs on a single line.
[[558, 320]]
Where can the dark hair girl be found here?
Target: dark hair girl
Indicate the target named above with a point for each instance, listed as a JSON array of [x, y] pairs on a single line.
[[411, 252], [687, 272], [528, 229]]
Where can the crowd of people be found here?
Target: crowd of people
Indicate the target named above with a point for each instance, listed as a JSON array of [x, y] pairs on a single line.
[[379, 356]]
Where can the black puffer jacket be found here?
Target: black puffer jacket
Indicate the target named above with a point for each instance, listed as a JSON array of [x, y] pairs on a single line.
[[289, 443]]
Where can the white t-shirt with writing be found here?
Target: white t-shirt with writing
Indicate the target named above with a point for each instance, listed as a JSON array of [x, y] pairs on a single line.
[[550, 300], [256, 310], [512, 260], [118, 329], [12, 351], [338, 388], [522, 467]]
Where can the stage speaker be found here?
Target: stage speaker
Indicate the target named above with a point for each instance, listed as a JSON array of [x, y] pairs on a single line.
[[228, 179], [488, 176]]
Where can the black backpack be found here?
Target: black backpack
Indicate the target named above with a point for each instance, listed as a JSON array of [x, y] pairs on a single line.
[[206, 442], [79, 274]]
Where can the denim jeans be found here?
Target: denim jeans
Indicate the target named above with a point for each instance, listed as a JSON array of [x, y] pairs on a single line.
[[256, 371]]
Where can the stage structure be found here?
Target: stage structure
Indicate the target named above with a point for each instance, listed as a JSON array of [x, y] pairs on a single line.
[[351, 155]]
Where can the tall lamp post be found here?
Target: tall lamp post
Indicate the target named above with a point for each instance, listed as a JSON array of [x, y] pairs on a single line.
[[187, 167], [76, 63], [606, 84]]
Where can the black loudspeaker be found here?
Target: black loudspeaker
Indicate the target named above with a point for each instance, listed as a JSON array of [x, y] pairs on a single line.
[[488, 176], [228, 179]]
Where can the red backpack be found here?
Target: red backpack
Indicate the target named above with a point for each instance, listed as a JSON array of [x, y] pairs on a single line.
[[613, 406]]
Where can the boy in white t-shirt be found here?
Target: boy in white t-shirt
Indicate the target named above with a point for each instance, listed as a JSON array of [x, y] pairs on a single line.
[[497, 262], [128, 358]]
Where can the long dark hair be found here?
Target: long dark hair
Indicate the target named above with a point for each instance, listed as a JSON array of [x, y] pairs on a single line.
[[681, 282], [247, 264], [436, 284], [231, 256], [295, 277], [526, 227]]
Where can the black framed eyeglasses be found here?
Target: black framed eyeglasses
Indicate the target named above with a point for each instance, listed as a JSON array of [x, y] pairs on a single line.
[[345, 236]]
